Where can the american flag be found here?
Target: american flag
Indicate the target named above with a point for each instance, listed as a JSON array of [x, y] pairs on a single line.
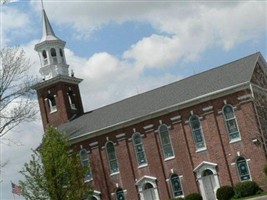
[[16, 189]]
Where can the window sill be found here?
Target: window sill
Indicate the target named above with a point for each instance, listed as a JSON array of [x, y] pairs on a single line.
[[181, 196], [169, 158], [143, 165], [115, 173], [201, 149], [89, 180], [235, 140], [53, 111]]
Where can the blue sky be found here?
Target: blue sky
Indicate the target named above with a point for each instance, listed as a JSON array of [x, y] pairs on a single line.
[[123, 48]]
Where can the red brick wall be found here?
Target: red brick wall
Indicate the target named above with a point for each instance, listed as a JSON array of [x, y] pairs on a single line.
[[219, 150], [64, 112]]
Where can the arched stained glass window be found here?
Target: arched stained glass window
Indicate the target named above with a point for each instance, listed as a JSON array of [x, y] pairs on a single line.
[[139, 149], [165, 141], [176, 185], [230, 121], [113, 164], [242, 168], [197, 132], [86, 164], [120, 194]]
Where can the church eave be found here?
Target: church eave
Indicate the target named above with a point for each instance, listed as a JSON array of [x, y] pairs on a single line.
[[49, 42], [173, 108]]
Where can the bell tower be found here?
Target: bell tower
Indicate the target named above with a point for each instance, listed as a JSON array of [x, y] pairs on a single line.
[[58, 94]]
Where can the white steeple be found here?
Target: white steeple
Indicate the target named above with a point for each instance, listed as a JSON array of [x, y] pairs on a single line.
[[51, 52]]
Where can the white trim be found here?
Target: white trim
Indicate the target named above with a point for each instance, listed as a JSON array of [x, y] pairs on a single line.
[[93, 144], [235, 140], [175, 118], [202, 133], [201, 149], [169, 158], [148, 126], [244, 97], [247, 160], [234, 118], [162, 143], [150, 178], [206, 109], [204, 163], [143, 165], [114, 173], [144, 180], [120, 135], [199, 171], [135, 149]]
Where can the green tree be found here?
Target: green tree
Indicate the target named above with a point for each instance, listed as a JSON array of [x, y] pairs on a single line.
[[54, 171]]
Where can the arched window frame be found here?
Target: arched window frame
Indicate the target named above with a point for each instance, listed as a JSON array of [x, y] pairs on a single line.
[[139, 149], [51, 100], [243, 174], [112, 158], [44, 56], [86, 164], [94, 196], [149, 191], [53, 54], [231, 123], [61, 53], [71, 97], [166, 141], [120, 194], [197, 133], [176, 192]]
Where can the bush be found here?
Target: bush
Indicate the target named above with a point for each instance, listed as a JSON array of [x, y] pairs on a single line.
[[193, 196], [178, 198], [225, 193], [247, 188]]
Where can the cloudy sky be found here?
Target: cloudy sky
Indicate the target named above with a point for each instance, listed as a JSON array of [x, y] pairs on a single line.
[[125, 47]]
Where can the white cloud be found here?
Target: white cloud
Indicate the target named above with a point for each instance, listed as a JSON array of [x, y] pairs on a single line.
[[14, 24], [187, 28], [108, 79]]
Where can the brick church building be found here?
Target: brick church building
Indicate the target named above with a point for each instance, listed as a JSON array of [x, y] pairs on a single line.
[[193, 135]]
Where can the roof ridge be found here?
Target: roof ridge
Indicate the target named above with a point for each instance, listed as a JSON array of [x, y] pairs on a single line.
[[174, 82]]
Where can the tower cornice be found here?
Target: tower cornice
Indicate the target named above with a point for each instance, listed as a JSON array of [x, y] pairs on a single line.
[[57, 79]]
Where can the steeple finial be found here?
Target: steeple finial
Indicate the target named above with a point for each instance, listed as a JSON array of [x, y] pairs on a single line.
[[42, 4]]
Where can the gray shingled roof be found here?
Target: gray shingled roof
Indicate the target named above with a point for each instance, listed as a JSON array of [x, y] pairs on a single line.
[[234, 73]]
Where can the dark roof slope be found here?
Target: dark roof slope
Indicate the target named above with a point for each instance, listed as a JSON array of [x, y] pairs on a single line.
[[234, 73]]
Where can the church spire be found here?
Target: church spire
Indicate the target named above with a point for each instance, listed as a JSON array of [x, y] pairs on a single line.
[[58, 94], [48, 33], [51, 52]]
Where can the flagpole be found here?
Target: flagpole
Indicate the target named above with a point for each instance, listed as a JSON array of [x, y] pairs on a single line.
[[13, 196]]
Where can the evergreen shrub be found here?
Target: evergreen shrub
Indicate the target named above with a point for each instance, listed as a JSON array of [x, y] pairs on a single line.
[[193, 196], [247, 188], [225, 193]]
